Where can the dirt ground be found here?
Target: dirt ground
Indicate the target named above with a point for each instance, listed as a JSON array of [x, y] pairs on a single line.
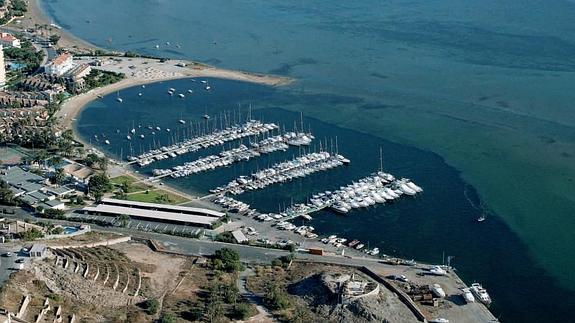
[[162, 270], [311, 300]]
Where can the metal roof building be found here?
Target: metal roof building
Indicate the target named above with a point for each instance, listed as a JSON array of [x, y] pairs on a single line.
[[156, 212], [163, 207]]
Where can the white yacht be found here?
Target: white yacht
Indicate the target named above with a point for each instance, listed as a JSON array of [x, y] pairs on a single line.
[[437, 290], [107, 142], [480, 293], [467, 295], [437, 271], [339, 208]]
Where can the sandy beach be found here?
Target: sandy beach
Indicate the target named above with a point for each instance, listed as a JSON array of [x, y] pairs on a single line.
[[35, 16], [141, 71]]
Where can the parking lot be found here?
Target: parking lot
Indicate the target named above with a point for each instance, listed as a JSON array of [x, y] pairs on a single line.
[[147, 226], [8, 264]]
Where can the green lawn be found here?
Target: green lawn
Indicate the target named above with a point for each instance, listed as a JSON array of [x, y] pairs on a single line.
[[134, 187], [156, 197]]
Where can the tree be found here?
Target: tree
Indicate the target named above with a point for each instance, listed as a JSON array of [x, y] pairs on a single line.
[[214, 310], [54, 39], [6, 195], [58, 177], [152, 306], [123, 220], [55, 160], [91, 159], [79, 200], [230, 259], [275, 297], [31, 235], [125, 187], [98, 185], [103, 164]]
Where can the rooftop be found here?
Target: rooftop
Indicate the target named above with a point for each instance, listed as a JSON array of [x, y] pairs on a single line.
[[60, 59], [151, 214], [163, 207], [8, 37]]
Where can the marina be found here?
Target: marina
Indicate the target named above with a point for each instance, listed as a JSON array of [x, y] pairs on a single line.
[[217, 137], [398, 229], [228, 157], [283, 172]]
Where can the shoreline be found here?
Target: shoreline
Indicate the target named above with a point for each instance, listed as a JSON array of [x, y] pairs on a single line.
[[153, 72], [36, 16], [75, 104]]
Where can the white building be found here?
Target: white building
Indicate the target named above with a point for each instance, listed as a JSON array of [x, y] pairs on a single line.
[[60, 65], [8, 40]]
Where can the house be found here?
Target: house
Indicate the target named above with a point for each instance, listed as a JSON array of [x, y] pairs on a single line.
[[60, 191], [59, 65], [79, 172], [53, 204], [32, 189], [8, 40], [38, 250]]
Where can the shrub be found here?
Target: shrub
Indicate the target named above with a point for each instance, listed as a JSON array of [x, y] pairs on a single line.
[[152, 306], [243, 311], [230, 260], [167, 318]]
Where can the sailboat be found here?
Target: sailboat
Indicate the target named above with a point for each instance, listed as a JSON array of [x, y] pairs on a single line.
[[481, 218], [119, 99]]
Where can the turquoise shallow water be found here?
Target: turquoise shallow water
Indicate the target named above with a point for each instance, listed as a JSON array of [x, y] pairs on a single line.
[[486, 84], [440, 220]]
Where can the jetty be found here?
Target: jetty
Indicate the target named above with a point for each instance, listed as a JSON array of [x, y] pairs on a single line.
[[299, 167], [217, 137], [241, 153]]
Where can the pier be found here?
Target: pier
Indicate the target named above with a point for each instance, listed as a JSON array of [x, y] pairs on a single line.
[[282, 172], [218, 137], [241, 153]]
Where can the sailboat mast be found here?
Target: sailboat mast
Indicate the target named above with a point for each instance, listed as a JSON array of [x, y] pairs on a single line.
[[381, 159]]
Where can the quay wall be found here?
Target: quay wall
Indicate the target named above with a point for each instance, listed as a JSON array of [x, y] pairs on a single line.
[[94, 244]]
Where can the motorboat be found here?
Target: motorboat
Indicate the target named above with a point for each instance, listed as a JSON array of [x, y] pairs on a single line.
[[437, 290], [437, 271], [480, 293], [468, 295]]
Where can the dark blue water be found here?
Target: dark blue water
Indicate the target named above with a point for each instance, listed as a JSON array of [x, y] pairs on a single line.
[[443, 219]]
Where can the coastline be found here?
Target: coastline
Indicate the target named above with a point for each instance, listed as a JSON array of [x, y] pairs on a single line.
[[36, 16], [148, 71], [72, 106]]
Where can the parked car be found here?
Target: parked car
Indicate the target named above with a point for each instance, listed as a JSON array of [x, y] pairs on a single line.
[[400, 278]]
